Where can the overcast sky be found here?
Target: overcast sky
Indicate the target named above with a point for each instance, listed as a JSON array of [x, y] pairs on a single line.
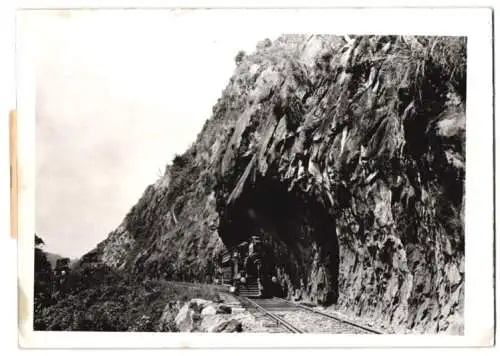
[[118, 94]]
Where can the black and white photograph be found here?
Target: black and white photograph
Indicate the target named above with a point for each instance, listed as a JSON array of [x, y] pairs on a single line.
[[194, 177]]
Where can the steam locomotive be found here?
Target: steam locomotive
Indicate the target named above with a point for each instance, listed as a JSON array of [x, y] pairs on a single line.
[[248, 270]]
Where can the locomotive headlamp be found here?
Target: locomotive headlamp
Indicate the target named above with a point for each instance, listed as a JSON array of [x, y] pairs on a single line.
[[232, 289], [243, 280], [274, 279]]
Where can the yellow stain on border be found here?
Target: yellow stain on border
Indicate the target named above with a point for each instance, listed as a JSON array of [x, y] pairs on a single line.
[[14, 186]]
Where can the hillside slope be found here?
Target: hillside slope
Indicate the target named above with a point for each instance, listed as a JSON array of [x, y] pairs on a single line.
[[347, 155]]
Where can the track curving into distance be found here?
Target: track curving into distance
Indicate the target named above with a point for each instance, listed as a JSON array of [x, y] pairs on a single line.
[[297, 318]]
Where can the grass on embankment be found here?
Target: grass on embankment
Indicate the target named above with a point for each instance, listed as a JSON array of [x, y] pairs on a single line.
[[99, 299]]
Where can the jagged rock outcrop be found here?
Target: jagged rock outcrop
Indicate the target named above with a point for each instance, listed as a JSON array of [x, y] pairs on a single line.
[[347, 155]]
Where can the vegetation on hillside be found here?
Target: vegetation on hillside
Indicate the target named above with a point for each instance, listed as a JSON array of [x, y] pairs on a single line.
[[94, 297]]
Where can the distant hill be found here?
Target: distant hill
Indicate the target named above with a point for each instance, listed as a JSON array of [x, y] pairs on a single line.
[[52, 258]]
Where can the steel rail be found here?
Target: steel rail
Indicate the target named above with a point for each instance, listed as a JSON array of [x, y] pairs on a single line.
[[366, 328], [286, 324]]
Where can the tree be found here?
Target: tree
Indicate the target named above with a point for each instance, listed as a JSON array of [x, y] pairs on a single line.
[[239, 57], [179, 161], [38, 241], [42, 282]]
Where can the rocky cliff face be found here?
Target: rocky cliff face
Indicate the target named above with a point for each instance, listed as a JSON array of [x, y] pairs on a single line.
[[347, 155]]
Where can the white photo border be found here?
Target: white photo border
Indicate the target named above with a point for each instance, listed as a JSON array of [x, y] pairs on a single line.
[[475, 23]]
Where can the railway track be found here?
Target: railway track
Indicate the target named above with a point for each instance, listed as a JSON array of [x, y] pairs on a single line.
[[280, 315], [256, 305], [297, 318]]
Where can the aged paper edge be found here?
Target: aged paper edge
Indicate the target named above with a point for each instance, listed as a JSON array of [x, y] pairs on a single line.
[[14, 187]]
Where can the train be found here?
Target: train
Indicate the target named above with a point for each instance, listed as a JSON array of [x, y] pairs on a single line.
[[248, 271]]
